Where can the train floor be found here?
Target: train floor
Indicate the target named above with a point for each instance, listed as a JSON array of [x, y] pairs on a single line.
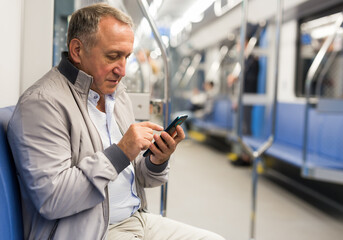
[[206, 191]]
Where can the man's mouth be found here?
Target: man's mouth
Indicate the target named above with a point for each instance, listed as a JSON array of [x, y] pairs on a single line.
[[113, 81]]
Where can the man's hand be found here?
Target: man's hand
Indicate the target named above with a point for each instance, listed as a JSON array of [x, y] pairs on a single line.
[[166, 146], [137, 138]]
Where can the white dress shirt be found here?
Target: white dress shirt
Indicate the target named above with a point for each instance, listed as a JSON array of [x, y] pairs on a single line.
[[123, 197]]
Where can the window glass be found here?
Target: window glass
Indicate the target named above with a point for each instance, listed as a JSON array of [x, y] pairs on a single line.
[[63, 9], [328, 80]]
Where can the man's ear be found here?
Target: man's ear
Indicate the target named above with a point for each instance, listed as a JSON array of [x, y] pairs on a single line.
[[75, 46]]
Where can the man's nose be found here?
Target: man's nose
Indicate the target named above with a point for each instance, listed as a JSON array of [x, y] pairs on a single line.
[[120, 67]]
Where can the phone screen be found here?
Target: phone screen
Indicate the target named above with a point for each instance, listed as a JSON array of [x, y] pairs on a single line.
[[170, 130]]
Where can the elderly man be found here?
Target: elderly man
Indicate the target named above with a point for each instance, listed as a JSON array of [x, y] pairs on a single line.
[[77, 149]]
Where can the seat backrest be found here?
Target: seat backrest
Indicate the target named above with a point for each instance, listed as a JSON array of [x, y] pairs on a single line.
[[222, 113], [11, 226], [330, 137], [290, 124]]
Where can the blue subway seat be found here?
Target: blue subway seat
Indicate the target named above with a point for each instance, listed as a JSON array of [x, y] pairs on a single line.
[[325, 138], [11, 226], [219, 121]]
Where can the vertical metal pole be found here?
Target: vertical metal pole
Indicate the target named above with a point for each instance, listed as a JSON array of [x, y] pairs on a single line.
[[144, 7], [163, 206], [254, 194], [257, 158], [279, 17], [242, 64]]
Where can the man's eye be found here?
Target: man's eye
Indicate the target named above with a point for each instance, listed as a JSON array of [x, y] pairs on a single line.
[[112, 57]]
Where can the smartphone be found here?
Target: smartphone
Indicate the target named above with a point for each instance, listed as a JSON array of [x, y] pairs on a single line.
[[170, 130]]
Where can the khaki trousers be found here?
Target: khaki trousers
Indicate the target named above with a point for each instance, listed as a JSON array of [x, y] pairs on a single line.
[[150, 226]]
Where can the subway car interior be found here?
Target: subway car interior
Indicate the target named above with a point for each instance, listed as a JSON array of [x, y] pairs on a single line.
[[261, 83]]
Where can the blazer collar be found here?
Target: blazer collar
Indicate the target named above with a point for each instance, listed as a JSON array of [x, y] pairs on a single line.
[[81, 80]]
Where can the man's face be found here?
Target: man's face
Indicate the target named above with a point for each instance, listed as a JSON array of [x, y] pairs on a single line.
[[106, 60]]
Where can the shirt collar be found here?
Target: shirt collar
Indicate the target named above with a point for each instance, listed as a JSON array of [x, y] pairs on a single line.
[[94, 97]]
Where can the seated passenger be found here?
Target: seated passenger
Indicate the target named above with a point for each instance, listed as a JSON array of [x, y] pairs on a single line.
[[201, 105], [207, 104], [77, 149]]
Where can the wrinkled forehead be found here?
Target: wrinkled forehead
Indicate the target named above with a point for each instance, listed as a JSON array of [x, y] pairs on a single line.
[[115, 36], [112, 28]]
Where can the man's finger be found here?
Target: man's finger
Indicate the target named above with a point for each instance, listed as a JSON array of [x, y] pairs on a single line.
[[151, 125], [180, 134], [163, 142]]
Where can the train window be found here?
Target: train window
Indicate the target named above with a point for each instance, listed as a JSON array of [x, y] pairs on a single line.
[[327, 81], [62, 10]]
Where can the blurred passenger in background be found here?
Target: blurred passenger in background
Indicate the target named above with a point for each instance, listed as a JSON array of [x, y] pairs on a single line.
[[202, 101], [201, 105], [148, 70], [251, 70], [78, 150]]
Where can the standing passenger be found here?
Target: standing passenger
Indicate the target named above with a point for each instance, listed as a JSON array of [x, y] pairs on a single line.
[[77, 149], [251, 70]]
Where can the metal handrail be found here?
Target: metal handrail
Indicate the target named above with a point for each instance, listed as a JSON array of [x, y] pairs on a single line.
[[309, 79], [323, 72], [243, 54], [180, 72], [256, 154], [217, 62], [144, 7], [253, 40], [190, 71], [249, 49]]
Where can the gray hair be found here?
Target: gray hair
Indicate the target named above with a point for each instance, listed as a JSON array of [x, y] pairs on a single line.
[[84, 22]]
